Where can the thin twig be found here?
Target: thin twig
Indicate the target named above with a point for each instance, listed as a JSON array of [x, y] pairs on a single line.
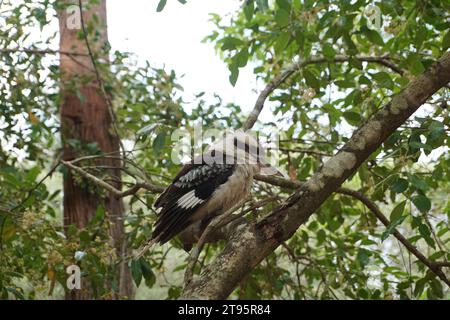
[[305, 151], [41, 51], [435, 268], [117, 193], [294, 67]]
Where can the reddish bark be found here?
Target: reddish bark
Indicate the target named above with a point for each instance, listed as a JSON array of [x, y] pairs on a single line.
[[85, 116]]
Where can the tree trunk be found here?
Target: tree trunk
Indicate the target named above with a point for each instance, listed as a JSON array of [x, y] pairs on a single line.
[[86, 117], [251, 243]]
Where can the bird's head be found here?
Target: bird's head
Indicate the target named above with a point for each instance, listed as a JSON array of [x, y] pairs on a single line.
[[244, 148]]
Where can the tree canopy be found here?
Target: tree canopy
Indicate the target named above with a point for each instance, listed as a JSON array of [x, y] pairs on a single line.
[[364, 213]]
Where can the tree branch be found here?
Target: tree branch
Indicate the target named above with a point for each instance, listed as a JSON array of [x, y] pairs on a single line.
[[219, 228], [305, 151], [251, 243], [294, 67], [216, 223], [117, 193], [41, 51], [433, 266]]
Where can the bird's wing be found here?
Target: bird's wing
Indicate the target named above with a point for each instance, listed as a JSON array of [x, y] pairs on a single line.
[[164, 197], [190, 190]]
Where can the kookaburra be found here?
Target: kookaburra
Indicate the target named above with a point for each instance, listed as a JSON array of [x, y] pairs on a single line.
[[209, 185]]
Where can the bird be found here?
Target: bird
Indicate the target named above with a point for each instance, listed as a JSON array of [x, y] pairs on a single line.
[[208, 186]]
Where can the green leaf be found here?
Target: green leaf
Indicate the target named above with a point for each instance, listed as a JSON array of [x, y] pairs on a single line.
[[383, 79], [282, 42], [415, 223], [374, 37], [436, 287], [230, 43], [414, 64], [136, 272], [147, 273], [350, 44], [363, 257], [300, 39], [391, 228], [9, 229], [420, 145], [263, 5], [355, 63], [311, 79], [161, 5], [328, 51], [33, 173], [400, 185], [397, 212], [364, 80], [352, 118], [284, 4], [234, 74], [72, 230], [426, 234], [249, 9], [422, 203], [241, 58], [437, 129], [437, 255], [446, 41], [421, 34], [420, 285], [282, 17], [147, 129], [182, 1], [321, 236], [99, 215], [84, 238], [159, 142], [418, 183]]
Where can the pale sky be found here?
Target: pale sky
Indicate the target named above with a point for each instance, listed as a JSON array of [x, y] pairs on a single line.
[[173, 38]]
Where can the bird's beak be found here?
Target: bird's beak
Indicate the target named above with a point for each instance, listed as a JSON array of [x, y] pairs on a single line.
[[268, 170]]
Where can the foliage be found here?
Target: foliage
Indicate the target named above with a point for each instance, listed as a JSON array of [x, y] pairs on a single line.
[[343, 252], [340, 252]]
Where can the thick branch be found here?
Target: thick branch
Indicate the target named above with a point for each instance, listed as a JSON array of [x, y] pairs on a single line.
[[250, 244]]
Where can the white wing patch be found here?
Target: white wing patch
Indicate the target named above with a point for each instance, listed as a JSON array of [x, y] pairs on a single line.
[[189, 200]]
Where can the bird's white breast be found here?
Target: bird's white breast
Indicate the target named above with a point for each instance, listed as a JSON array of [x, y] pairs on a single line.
[[234, 190]]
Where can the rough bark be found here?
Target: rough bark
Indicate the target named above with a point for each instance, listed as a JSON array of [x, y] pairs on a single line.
[[85, 116], [251, 243]]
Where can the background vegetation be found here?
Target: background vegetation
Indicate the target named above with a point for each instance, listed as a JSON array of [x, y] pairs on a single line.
[[343, 252]]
